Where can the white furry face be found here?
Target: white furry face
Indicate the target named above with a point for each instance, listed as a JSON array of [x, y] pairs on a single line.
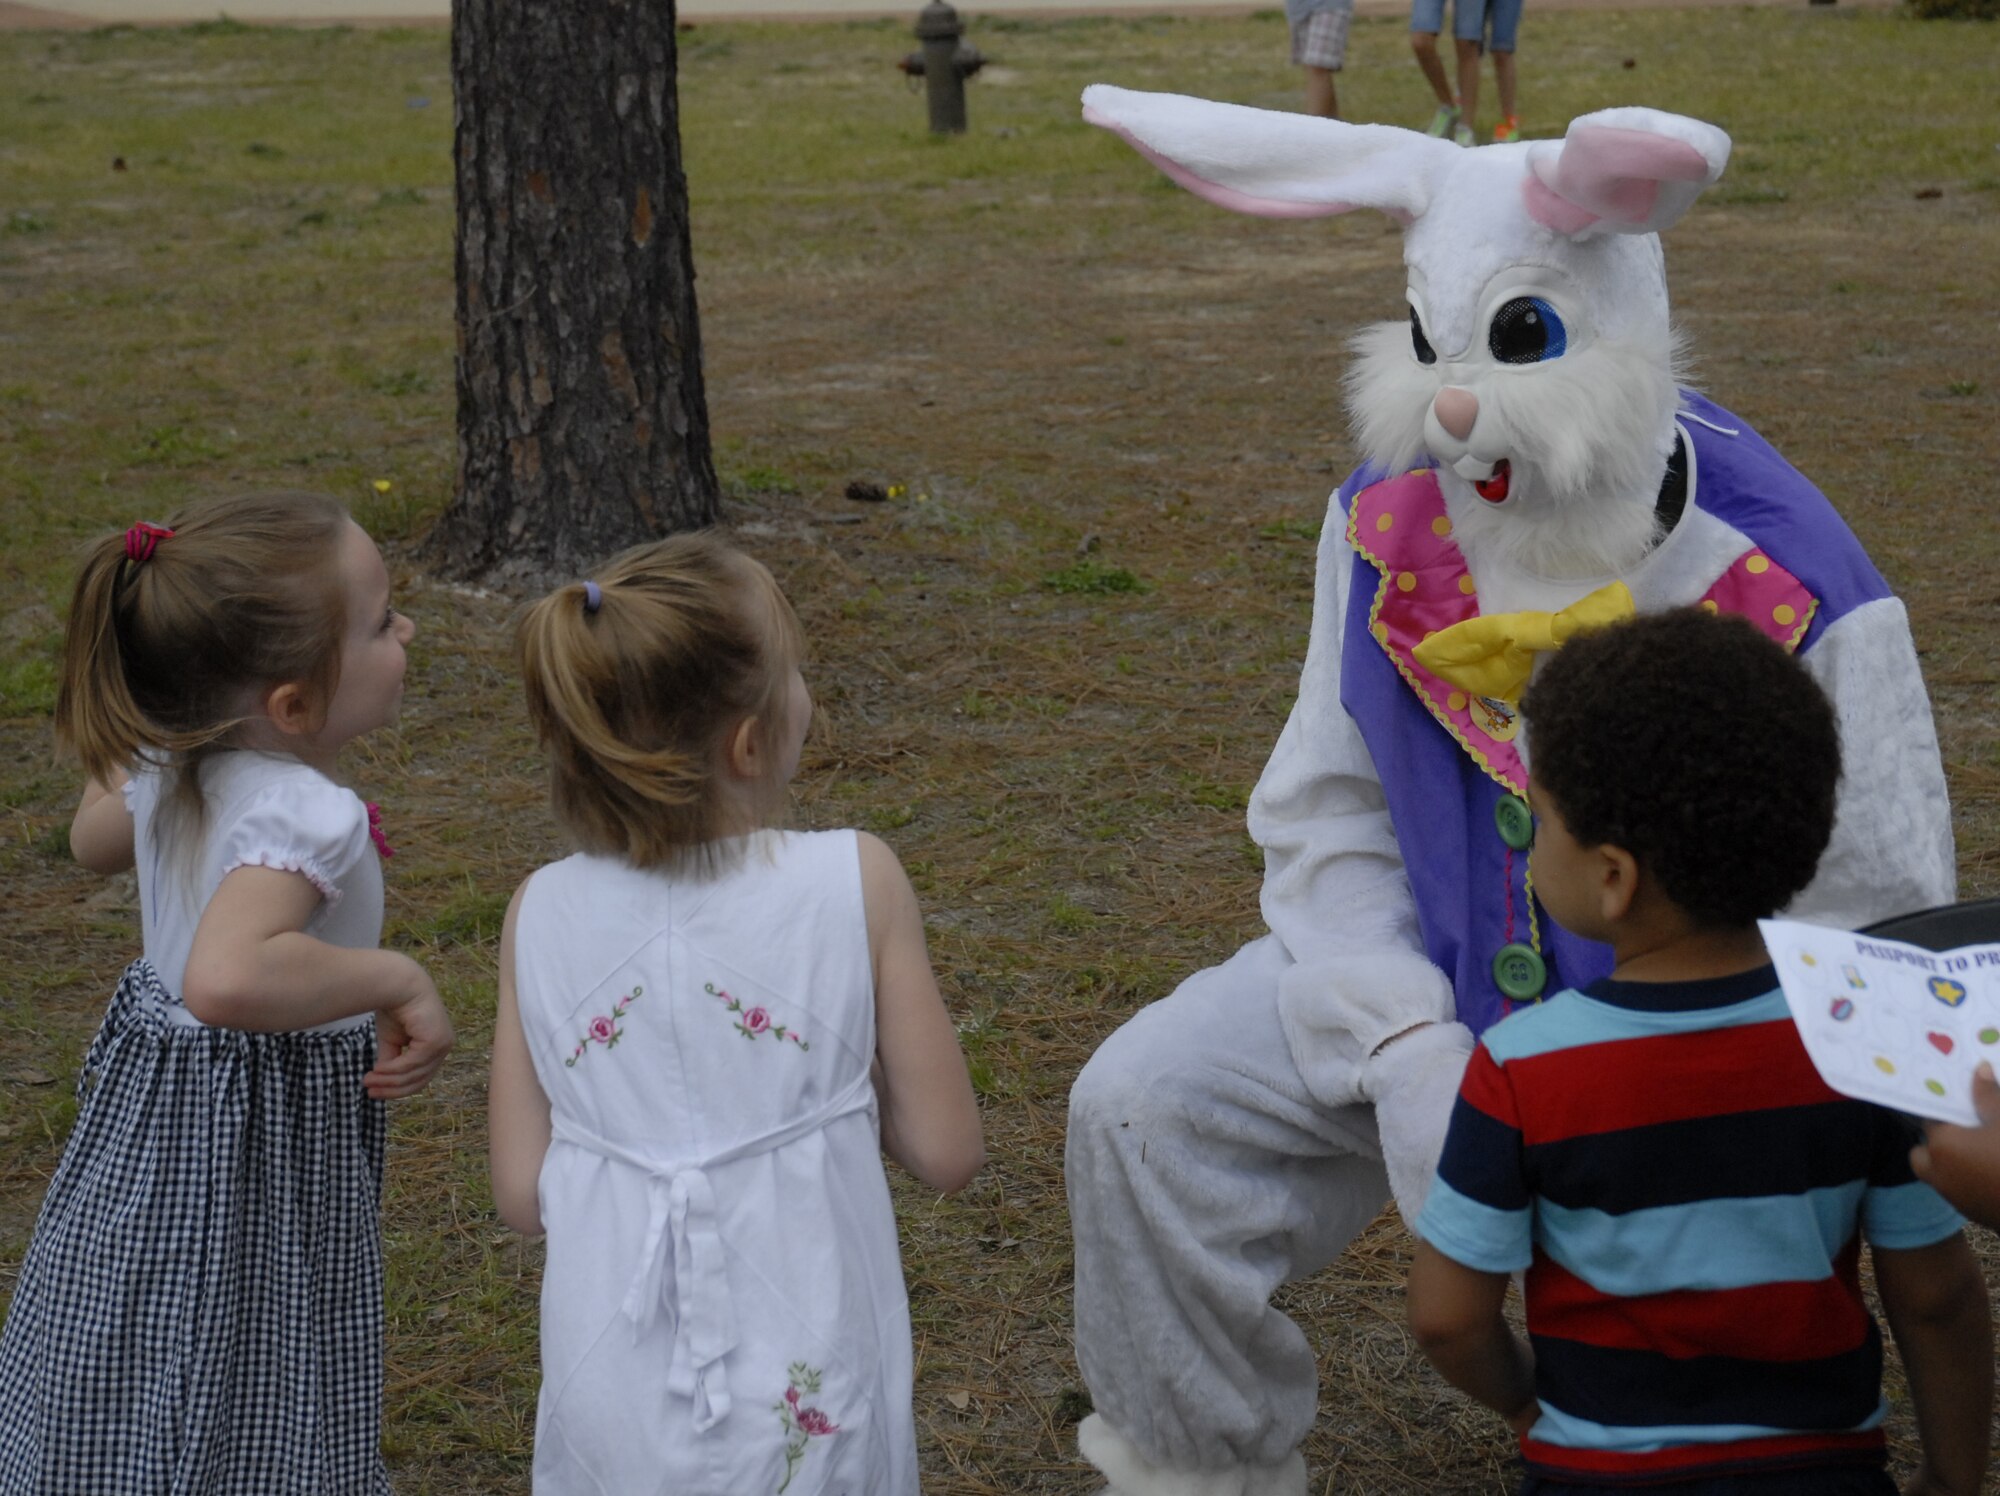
[[1550, 437]]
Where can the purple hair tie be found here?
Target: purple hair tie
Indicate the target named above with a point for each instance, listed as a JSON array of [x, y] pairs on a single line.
[[593, 597]]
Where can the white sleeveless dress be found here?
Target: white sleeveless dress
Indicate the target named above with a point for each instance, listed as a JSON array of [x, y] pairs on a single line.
[[723, 1311]]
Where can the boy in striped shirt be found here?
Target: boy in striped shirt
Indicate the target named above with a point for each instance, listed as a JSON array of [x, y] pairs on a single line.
[[1687, 1196]]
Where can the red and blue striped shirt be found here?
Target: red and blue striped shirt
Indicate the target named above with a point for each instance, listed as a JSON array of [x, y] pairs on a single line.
[[1688, 1198]]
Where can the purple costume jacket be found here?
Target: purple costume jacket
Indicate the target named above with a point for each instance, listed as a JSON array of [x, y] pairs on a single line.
[[1447, 764]]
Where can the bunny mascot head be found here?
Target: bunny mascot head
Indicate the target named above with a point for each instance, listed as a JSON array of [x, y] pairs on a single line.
[[1532, 468], [1537, 366]]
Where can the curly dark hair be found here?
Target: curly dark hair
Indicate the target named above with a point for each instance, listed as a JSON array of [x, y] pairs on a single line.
[[1699, 746]]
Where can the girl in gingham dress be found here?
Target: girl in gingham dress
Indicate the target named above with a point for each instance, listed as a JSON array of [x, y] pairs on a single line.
[[200, 1311], [709, 1032]]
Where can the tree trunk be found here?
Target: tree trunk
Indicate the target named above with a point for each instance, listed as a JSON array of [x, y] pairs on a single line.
[[582, 426]]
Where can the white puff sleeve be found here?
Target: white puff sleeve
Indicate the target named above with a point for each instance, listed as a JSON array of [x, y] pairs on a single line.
[[303, 824]]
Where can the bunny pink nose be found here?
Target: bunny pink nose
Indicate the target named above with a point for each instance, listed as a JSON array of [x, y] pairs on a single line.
[[1456, 410]]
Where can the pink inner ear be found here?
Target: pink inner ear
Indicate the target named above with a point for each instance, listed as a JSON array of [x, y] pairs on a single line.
[[1215, 192], [1616, 173], [1551, 211]]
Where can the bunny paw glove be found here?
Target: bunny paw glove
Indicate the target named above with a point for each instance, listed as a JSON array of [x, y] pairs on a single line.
[[1414, 1083], [1337, 1013]]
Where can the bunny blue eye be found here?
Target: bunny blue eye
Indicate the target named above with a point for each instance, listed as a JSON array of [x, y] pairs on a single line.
[[1425, 353], [1526, 331]]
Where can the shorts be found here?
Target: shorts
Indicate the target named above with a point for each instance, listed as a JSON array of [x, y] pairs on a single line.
[[1320, 39], [1491, 23]]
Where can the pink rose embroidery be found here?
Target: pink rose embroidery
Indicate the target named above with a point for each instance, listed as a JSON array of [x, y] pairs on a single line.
[[754, 1022], [802, 1425], [603, 1030]]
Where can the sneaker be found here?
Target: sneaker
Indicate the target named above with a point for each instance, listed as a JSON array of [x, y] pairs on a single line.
[[1442, 122], [1508, 129], [1462, 133]]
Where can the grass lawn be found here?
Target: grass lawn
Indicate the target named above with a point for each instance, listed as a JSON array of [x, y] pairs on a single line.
[[1050, 668]]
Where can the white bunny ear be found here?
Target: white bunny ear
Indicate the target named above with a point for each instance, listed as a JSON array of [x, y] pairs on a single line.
[[1622, 171], [1273, 164]]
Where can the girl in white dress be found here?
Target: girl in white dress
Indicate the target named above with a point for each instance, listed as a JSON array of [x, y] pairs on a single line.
[[200, 1310], [709, 1032]]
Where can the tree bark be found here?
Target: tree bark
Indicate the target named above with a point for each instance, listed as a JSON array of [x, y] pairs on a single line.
[[582, 424]]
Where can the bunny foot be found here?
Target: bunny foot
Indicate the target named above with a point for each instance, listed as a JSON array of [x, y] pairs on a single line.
[[1130, 1473]]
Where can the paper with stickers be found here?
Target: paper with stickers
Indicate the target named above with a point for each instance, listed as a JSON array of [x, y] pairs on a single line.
[[1889, 1022]]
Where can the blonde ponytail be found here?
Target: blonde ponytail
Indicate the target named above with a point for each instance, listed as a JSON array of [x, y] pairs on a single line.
[[97, 718], [165, 636], [631, 700]]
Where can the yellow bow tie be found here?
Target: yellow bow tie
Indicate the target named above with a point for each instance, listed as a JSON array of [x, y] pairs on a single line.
[[1492, 656]]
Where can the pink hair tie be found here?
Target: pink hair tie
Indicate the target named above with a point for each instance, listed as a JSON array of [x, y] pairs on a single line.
[[143, 539]]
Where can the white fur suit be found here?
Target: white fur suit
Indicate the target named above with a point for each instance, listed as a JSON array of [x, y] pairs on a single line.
[[1236, 1135]]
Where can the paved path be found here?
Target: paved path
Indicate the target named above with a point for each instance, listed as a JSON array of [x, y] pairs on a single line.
[[73, 14]]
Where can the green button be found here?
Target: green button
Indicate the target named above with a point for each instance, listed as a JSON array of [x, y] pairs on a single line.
[[1516, 822], [1519, 973]]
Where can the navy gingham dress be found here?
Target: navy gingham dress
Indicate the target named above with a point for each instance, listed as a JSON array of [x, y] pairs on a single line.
[[200, 1312]]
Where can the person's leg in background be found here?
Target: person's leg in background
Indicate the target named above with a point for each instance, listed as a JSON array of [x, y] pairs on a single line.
[[1426, 22], [1321, 99], [1468, 29], [1319, 47], [1468, 89], [1504, 22]]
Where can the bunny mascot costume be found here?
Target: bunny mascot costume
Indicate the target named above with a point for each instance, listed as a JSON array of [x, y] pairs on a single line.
[[1532, 467]]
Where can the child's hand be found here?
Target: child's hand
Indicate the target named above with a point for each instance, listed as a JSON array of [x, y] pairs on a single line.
[[412, 1037], [1963, 1163]]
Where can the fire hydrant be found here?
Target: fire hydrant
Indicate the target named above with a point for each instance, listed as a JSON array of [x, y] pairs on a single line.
[[945, 65]]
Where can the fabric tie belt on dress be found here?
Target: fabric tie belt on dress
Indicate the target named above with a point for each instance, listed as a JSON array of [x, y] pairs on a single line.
[[681, 1225]]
